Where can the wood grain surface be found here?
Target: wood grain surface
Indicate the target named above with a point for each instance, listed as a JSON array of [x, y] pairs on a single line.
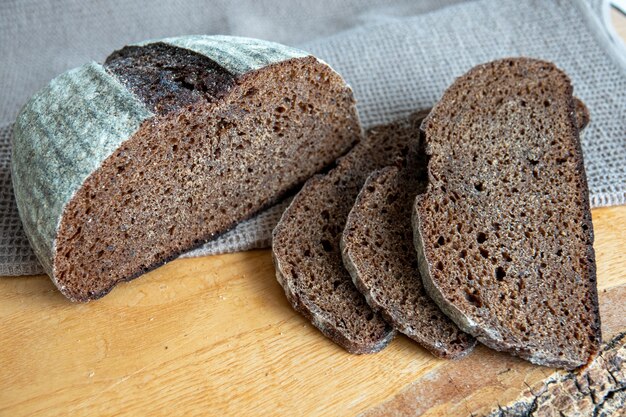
[[216, 336]]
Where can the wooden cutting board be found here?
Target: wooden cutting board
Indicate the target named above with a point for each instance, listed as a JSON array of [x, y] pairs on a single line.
[[215, 336]]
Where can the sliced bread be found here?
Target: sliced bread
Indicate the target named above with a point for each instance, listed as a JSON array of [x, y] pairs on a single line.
[[378, 251], [306, 243], [119, 167], [503, 231]]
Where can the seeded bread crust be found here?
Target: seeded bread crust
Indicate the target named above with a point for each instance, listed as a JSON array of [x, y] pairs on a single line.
[[306, 244], [118, 168], [503, 233]]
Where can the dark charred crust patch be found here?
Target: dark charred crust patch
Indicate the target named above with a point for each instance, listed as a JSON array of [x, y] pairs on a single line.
[[167, 78]]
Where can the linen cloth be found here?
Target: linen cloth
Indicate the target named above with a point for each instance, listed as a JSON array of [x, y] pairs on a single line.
[[398, 56]]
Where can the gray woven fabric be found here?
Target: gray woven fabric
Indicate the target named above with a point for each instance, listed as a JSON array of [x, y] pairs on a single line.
[[397, 56]]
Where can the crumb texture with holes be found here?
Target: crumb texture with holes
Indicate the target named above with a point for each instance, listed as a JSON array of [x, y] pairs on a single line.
[[306, 245], [377, 250], [503, 232], [166, 146]]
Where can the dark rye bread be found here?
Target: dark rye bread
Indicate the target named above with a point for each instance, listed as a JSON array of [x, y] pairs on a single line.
[[377, 249], [503, 232], [306, 243], [119, 168]]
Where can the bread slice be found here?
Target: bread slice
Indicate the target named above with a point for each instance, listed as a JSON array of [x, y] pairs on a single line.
[[377, 249], [119, 167], [384, 268], [306, 243], [503, 232]]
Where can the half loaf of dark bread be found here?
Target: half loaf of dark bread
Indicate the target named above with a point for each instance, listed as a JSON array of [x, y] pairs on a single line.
[[118, 168], [503, 232], [377, 248], [306, 244]]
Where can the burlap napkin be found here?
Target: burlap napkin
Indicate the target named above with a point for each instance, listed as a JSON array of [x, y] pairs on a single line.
[[397, 56]]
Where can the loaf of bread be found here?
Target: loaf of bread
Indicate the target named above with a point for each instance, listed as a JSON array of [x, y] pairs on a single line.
[[306, 244], [378, 252], [503, 231], [119, 167]]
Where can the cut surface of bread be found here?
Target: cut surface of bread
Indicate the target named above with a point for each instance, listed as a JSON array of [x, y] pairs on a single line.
[[503, 232], [377, 249], [226, 127], [306, 245]]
